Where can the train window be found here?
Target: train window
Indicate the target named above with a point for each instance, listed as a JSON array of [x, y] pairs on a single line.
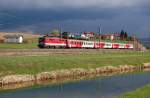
[[108, 44]]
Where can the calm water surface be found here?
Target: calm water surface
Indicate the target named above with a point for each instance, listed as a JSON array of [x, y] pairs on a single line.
[[103, 87]]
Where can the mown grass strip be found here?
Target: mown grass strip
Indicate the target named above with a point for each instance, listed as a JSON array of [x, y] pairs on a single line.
[[139, 93], [35, 64]]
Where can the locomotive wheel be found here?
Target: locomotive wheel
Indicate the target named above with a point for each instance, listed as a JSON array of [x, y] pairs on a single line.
[[49, 47]]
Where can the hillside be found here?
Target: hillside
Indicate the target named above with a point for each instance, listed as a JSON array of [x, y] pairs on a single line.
[[25, 35], [146, 42]]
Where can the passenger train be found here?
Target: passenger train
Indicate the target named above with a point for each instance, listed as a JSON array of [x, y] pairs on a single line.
[[53, 42]]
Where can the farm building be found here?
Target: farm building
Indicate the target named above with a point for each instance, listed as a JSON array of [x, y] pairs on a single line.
[[111, 36], [13, 39]]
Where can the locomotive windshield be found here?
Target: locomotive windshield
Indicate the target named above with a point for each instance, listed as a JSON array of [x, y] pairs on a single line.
[[41, 39]]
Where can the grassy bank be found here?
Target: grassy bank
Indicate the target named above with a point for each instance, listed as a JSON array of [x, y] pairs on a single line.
[[139, 93], [18, 46], [35, 64]]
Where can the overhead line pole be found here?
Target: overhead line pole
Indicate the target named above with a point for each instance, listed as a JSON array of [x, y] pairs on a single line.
[[60, 32], [100, 34]]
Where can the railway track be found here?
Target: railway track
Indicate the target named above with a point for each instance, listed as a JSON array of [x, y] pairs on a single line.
[[36, 52]]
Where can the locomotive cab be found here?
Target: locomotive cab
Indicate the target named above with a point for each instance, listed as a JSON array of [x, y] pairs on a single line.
[[41, 41]]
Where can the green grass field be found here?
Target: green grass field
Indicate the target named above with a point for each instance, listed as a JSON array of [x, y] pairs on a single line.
[[18, 46], [139, 93], [32, 44], [35, 64]]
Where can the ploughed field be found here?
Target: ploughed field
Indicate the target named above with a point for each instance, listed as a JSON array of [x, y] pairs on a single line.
[[36, 64]]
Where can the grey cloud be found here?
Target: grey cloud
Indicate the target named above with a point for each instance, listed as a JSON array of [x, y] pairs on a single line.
[[57, 4], [75, 15]]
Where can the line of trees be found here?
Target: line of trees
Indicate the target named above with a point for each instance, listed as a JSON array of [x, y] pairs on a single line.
[[124, 36]]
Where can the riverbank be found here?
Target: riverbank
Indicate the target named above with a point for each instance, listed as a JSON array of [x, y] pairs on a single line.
[[24, 69], [139, 93], [7, 82]]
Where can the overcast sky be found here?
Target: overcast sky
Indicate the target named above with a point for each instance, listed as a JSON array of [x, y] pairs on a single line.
[[76, 15]]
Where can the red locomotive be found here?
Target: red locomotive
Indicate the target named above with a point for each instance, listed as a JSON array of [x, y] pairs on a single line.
[[54, 42]]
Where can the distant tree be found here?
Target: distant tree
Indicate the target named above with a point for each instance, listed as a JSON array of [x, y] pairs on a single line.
[[55, 32], [65, 35], [130, 38], [122, 34], [125, 35]]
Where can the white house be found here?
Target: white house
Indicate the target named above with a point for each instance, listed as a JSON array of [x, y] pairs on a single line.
[[13, 39]]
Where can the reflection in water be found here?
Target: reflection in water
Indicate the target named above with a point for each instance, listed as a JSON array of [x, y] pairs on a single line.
[[104, 87]]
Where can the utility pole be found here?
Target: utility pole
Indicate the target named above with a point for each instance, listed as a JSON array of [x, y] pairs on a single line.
[[100, 35], [134, 42], [60, 32]]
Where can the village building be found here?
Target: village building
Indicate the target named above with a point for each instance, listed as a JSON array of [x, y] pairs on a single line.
[[13, 39], [111, 36]]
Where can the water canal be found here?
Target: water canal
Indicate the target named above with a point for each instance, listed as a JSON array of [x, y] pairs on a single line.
[[101, 87]]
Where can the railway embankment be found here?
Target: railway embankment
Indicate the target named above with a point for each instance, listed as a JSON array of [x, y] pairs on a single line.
[[10, 80], [38, 52]]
